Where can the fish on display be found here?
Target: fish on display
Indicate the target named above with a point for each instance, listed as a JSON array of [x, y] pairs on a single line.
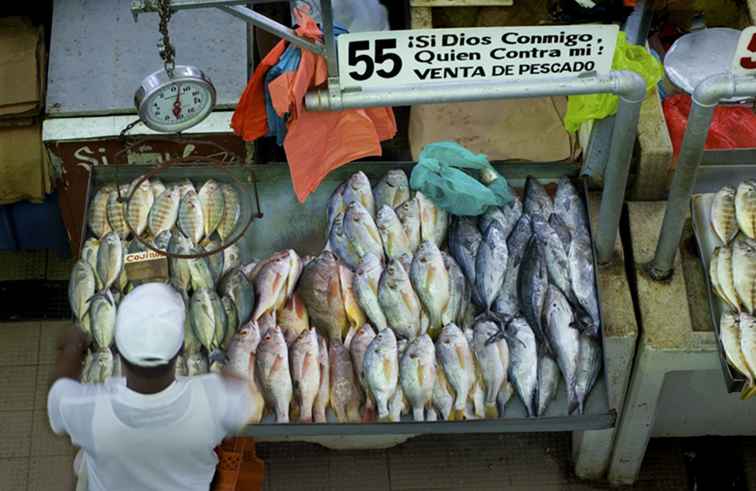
[[714, 278], [199, 267], [231, 257], [102, 313], [162, 240], [433, 220], [354, 314], [381, 370], [570, 208], [272, 364], [564, 340], [191, 343], [196, 364], [555, 255], [320, 289], [507, 303], [562, 231], [157, 187], [398, 405], [139, 207], [490, 265], [358, 190], [458, 291], [523, 366], [745, 208], [395, 241], [242, 355], [231, 321], [537, 200], [532, 283], [744, 272], [117, 214], [362, 231], [722, 215], [324, 388], [507, 216], [81, 288], [185, 186], [341, 245], [493, 362], [345, 395], [409, 214], [293, 318], [102, 366], [206, 313], [270, 285], [164, 212], [580, 257], [231, 212], [181, 273], [464, 242], [456, 359], [336, 206], [89, 253], [306, 372], [109, 260], [726, 276], [430, 280], [548, 383], [589, 366], [417, 374], [392, 190], [730, 336], [399, 302], [213, 205], [365, 285], [358, 346], [180, 369], [215, 257], [442, 397], [747, 326], [190, 219], [98, 212]]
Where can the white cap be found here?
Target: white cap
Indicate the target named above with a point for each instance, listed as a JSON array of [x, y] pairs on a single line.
[[150, 325]]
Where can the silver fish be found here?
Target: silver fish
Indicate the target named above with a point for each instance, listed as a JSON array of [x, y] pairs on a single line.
[[392, 190], [744, 272], [493, 362], [555, 255], [748, 346], [726, 276], [563, 339], [745, 208], [213, 205], [381, 370], [548, 383], [589, 366], [98, 212], [434, 221], [722, 215], [231, 257], [190, 219], [164, 212], [102, 312], [191, 343], [537, 200], [242, 355], [214, 260], [305, 371], [570, 208], [231, 323], [341, 244], [714, 279], [507, 303], [464, 241], [89, 253], [417, 374], [362, 231], [231, 212], [117, 214], [358, 346], [324, 388], [202, 276], [336, 206], [358, 190], [442, 398], [533, 281], [507, 216], [730, 336], [454, 354], [345, 395], [409, 214], [562, 231], [272, 366], [181, 274], [399, 302], [206, 314], [320, 289], [395, 241], [139, 206], [458, 291], [157, 187], [109, 259], [490, 265], [523, 366], [431, 283], [398, 404], [584, 283], [81, 288], [365, 285]]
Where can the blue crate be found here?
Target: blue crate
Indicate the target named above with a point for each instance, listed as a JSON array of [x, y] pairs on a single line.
[[7, 237], [40, 226]]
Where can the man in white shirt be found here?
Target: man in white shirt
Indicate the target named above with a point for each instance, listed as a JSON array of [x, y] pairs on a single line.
[[148, 430]]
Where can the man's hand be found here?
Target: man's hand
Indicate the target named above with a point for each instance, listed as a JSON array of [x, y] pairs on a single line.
[[71, 350]]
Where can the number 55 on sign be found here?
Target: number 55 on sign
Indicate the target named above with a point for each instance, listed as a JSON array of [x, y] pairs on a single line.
[[745, 56]]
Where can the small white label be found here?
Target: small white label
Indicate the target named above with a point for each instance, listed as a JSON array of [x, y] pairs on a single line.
[[745, 54], [139, 257], [400, 58]]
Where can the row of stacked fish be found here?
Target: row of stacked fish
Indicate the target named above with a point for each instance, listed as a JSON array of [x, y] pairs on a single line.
[[385, 323], [732, 274], [178, 219]]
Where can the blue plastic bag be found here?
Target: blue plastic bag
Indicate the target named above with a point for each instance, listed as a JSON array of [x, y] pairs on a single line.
[[438, 175]]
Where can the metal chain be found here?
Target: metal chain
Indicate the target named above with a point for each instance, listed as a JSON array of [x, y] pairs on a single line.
[[167, 52]]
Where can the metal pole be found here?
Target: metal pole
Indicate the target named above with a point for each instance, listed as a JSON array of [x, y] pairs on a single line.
[[331, 53], [705, 99]]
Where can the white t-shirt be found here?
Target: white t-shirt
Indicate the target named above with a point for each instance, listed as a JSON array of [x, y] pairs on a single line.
[[160, 441]]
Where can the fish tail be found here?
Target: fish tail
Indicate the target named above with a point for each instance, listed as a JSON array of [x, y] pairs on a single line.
[[491, 412], [457, 415]]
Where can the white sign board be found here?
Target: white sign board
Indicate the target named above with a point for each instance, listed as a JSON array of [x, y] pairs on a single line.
[[395, 58], [745, 54]]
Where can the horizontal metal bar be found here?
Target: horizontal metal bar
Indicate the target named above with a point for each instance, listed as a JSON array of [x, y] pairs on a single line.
[[273, 27], [143, 6], [733, 156]]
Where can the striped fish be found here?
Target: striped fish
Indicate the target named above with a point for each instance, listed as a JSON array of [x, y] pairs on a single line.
[[139, 207], [184, 186], [164, 212], [157, 187], [109, 259], [117, 214], [190, 219], [98, 212], [231, 211], [212, 200]]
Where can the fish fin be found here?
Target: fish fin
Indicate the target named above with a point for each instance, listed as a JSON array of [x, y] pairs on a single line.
[[492, 412]]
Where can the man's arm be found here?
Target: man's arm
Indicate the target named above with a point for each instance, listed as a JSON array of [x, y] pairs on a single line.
[[71, 351]]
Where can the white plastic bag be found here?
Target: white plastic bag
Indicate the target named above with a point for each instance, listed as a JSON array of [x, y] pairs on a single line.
[[361, 15]]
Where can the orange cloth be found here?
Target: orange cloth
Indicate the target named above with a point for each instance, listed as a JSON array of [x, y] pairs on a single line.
[[316, 142]]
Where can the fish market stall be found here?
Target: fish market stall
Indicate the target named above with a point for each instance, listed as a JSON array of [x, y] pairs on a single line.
[[367, 310]]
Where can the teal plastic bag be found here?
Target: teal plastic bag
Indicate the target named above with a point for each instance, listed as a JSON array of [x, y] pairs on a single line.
[[439, 176]]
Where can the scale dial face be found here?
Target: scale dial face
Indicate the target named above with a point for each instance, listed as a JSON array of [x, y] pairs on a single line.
[[174, 104]]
